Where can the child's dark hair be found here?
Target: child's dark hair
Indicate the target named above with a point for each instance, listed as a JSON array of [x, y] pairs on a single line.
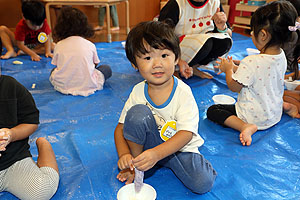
[[296, 4], [158, 35], [72, 22], [296, 55], [34, 11], [275, 18]]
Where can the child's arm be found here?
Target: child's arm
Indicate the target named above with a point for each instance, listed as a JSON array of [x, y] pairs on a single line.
[[48, 48], [150, 157], [125, 157], [16, 133], [25, 49], [228, 67]]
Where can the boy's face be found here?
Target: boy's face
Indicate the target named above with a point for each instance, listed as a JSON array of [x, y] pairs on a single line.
[[33, 27], [157, 66]]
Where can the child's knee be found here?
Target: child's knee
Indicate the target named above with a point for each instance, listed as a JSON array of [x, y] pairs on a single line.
[[202, 184], [138, 113], [210, 111], [2, 29], [43, 186]]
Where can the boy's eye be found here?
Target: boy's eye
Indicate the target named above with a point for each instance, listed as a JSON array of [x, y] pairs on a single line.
[[164, 55], [147, 58]]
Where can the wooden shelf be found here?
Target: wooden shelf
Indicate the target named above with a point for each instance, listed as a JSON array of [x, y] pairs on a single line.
[[245, 7], [243, 21]]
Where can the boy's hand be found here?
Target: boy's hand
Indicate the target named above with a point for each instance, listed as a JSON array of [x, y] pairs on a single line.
[[35, 57], [220, 19], [145, 160], [125, 162], [49, 55], [5, 138], [126, 175], [185, 70]]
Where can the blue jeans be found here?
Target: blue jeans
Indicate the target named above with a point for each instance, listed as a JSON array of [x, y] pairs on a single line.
[[192, 169]]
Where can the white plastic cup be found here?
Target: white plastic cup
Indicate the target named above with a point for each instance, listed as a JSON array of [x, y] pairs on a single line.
[[291, 85], [223, 99], [251, 51], [127, 192]]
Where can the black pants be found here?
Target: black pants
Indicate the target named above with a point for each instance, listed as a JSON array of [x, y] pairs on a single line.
[[211, 50], [219, 113]]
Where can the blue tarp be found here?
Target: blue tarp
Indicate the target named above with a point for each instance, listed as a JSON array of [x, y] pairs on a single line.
[[81, 131]]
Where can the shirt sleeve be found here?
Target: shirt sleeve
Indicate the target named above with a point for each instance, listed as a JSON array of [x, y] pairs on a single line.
[[20, 32], [46, 27], [170, 11], [187, 114], [129, 103], [245, 73]]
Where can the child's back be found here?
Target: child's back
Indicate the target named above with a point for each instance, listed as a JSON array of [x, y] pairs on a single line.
[[259, 101], [258, 79], [76, 57]]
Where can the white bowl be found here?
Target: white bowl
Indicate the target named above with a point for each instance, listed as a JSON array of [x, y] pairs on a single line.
[[127, 192], [223, 99], [123, 44], [251, 51], [291, 85]]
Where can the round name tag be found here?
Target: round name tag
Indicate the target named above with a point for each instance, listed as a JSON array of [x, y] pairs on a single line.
[[42, 37], [168, 130]]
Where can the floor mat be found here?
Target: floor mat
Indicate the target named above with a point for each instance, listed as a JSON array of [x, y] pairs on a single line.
[[81, 131]]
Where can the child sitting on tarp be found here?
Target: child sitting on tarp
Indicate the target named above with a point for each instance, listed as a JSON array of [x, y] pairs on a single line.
[[31, 35], [259, 79], [19, 118], [159, 122], [77, 71]]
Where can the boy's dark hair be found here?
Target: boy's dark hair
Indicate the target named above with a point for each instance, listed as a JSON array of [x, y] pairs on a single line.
[[34, 11], [158, 35], [72, 22]]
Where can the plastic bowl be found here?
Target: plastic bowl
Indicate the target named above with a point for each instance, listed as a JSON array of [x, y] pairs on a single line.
[[223, 99], [127, 192], [291, 85], [251, 51], [123, 44]]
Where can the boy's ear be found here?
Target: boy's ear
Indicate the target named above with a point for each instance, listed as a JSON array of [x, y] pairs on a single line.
[[135, 67], [176, 61]]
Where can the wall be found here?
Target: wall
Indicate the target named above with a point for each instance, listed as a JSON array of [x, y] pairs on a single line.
[[140, 10]]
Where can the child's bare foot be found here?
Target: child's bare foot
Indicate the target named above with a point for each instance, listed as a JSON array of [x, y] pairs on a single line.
[[20, 52], [247, 132], [291, 110], [202, 74], [9, 54], [126, 174]]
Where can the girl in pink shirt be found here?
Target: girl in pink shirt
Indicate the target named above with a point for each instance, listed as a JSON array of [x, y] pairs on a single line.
[[75, 57]]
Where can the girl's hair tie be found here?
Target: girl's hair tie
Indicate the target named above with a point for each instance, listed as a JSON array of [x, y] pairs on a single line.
[[295, 28]]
